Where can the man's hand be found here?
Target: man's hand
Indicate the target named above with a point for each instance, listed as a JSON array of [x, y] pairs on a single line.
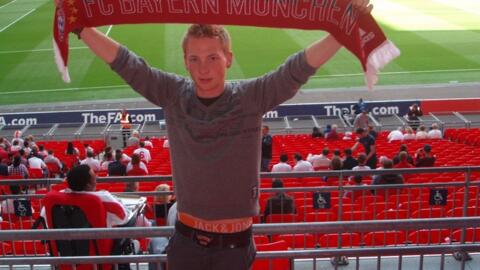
[[363, 6]]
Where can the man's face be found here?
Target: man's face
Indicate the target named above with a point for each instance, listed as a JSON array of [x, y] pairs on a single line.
[[264, 131], [207, 63]]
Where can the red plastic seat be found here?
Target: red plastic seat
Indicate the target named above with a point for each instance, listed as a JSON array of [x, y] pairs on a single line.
[[332, 240], [434, 236], [471, 235], [297, 240], [277, 264], [382, 238]]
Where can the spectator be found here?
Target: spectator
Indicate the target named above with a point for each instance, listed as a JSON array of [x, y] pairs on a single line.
[[51, 158], [403, 161], [381, 162], [148, 143], [333, 134], [368, 143], [42, 152], [409, 134], [4, 143], [349, 161], [361, 120], [88, 148], [166, 144], [316, 133], [143, 152], [71, 150], [424, 157], [3, 169], [107, 159], [17, 137], [162, 203], [327, 130], [15, 147], [403, 148], [387, 179], [136, 166], [126, 125], [320, 162], [362, 163], [347, 136], [215, 128], [117, 168], [134, 140], [336, 153], [17, 168], [395, 135], [267, 143], [372, 132], [93, 163], [434, 133], [359, 107], [421, 133], [413, 116], [301, 165], [354, 194], [125, 158], [3, 154], [83, 179], [34, 162], [280, 203], [26, 148], [335, 165], [282, 166]]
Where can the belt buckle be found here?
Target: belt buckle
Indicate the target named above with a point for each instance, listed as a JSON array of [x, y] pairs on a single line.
[[202, 240]]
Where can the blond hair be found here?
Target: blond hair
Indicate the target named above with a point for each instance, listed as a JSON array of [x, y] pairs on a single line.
[[162, 198], [208, 31]]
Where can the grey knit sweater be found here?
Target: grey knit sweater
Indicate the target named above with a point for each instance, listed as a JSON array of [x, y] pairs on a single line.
[[215, 150]]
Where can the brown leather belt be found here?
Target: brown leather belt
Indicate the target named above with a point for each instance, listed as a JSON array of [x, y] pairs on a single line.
[[215, 240]]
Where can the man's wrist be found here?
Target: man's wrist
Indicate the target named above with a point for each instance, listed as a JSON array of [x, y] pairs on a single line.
[[78, 32]]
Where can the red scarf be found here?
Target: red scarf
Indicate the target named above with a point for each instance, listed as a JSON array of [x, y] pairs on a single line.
[[359, 33]]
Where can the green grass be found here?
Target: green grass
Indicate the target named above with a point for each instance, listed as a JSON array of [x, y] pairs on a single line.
[[441, 46]]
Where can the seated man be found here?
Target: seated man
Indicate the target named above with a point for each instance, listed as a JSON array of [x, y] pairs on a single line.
[[82, 179], [280, 203]]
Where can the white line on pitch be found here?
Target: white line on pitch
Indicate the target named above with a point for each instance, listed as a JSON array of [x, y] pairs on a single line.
[[41, 50], [8, 3], [108, 30], [63, 89], [397, 73], [21, 17]]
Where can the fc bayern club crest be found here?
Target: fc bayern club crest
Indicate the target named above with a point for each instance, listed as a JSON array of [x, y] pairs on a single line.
[[61, 23]]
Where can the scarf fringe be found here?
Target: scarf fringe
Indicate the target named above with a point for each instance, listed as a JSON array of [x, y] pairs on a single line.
[[62, 68], [377, 59]]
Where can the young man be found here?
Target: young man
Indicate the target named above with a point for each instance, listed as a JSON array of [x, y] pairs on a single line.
[[214, 131], [368, 143], [267, 145]]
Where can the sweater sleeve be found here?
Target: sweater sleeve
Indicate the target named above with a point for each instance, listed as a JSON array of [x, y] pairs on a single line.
[[159, 87], [278, 86]]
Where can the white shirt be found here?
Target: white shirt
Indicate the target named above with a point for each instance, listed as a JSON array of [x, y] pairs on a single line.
[[166, 144], [408, 136], [395, 135], [421, 135], [148, 144], [92, 163], [53, 159], [303, 166], [434, 134], [143, 153], [281, 167], [361, 168], [36, 163], [319, 161], [141, 165]]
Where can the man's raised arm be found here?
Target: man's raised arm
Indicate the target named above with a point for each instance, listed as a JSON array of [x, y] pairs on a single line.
[[321, 51], [103, 46]]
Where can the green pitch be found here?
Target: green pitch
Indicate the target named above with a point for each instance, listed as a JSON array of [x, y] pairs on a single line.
[[439, 41]]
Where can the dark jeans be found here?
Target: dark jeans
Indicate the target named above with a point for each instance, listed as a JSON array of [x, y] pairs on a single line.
[[184, 253], [264, 166]]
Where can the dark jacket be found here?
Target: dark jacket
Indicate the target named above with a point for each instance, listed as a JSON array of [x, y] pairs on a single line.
[[280, 203]]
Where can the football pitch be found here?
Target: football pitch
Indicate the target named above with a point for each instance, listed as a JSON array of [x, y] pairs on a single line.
[[439, 41]]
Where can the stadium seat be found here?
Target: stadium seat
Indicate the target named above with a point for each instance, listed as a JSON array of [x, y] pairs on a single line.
[[434, 236], [282, 218], [89, 212], [276, 264], [347, 240], [29, 248], [299, 241], [383, 238], [471, 235]]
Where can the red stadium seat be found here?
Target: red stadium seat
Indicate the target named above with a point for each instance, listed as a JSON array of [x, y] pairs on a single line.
[[332, 240], [383, 238], [434, 236], [276, 264], [300, 241]]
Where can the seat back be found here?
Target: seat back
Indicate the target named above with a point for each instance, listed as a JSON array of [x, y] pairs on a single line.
[[77, 210]]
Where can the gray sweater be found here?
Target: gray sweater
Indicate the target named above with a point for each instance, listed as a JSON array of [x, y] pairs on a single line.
[[215, 150]]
